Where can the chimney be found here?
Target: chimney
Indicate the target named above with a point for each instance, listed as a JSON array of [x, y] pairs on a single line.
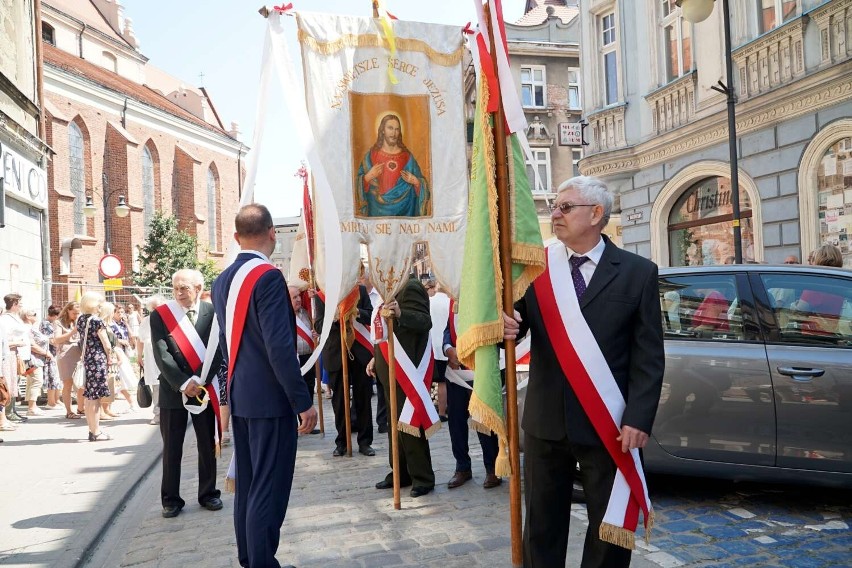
[[234, 132]]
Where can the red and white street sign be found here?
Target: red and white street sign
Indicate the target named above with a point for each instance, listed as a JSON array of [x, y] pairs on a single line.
[[110, 266]]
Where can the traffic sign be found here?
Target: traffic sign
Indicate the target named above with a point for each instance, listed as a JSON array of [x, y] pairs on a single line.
[[110, 266], [113, 284]]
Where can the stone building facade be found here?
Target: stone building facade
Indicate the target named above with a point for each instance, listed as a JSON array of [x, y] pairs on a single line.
[[23, 156], [124, 130], [658, 132]]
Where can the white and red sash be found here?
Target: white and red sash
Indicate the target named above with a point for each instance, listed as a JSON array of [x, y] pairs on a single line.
[[416, 382], [362, 335], [589, 375], [236, 308], [303, 331], [193, 349]]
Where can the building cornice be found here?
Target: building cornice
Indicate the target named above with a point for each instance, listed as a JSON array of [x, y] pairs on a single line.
[[809, 94], [76, 88], [23, 138], [543, 48], [92, 32]]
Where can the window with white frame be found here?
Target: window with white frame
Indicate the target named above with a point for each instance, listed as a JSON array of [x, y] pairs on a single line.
[[773, 13], [677, 40], [540, 163], [609, 57], [77, 177], [576, 156], [533, 86], [147, 190], [574, 101], [212, 221]]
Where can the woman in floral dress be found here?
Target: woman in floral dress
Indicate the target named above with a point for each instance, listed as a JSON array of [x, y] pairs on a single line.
[[44, 335], [96, 355]]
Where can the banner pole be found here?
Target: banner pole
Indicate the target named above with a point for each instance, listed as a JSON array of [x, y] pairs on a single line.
[[317, 372], [375, 8], [344, 369], [394, 404], [505, 250]]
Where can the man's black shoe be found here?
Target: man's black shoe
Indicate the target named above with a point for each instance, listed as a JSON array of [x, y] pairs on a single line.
[[387, 484], [171, 511], [338, 452], [366, 450], [383, 429], [315, 431], [212, 504], [420, 491]]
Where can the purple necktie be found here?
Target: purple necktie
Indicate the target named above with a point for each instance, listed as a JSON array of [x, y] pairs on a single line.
[[577, 276]]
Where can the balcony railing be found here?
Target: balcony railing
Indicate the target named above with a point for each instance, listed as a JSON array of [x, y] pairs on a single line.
[[772, 60], [607, 126], [673, 105]]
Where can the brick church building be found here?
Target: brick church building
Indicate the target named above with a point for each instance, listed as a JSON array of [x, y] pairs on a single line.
[[129, 139]]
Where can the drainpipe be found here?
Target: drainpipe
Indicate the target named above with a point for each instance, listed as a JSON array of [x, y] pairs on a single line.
[[124, 114], [240, 172], [44, 225], [80, 39]]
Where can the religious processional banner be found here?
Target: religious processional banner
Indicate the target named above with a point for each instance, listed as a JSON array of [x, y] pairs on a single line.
[[385, 102]]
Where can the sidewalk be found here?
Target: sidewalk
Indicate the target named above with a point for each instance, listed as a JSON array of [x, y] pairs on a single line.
[[336, 517], [60, 491]]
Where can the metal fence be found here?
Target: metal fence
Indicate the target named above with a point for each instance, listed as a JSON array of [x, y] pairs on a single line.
[[60, 293]]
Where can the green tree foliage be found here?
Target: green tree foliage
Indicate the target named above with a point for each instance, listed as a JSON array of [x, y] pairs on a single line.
[[167, 250]]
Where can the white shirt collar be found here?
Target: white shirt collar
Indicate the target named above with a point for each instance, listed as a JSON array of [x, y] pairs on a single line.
[[194, 306], [256, 252], [594, 255]]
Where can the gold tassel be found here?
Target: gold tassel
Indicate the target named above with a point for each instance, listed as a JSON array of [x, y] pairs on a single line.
[[619, 536], [649, 524], [230, 484], [408, 429], [432, 429]]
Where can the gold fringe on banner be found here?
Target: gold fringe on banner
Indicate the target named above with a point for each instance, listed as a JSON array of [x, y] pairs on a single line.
[[491, 422], [375, 40]]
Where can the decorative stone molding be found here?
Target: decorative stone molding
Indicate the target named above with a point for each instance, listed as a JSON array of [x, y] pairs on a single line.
[[808, 170], [834, 20], [675, 187], [809, 95], [673, 105], [772, 60], [607, 128]]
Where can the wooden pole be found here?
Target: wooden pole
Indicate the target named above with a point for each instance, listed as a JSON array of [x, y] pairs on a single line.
[[376, 15], [505, 248], [344, 369], [317, 373], [394, 404]]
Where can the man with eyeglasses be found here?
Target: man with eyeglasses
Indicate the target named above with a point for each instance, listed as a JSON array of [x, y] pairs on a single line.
[[180, 330], [596, 373]]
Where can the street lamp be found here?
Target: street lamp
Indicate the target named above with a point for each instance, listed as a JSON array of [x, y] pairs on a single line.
[[695, 11], [121, 210]]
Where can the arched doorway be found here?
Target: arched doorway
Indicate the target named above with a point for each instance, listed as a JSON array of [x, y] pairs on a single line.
[[825, 196], [704, 188], [700, 225]]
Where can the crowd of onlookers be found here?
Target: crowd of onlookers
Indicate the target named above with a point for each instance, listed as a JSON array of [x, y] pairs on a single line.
[[38, 359]]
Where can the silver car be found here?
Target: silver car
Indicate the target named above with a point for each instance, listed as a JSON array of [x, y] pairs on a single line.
[[758, 380]]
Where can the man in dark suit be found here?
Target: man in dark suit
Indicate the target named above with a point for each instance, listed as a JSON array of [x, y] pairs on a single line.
[[619, 299], [360, 383], [266, 390], [413, 321], [178, 376]]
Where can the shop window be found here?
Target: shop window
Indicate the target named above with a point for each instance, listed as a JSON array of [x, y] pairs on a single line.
[[700, 227], [834, 184]]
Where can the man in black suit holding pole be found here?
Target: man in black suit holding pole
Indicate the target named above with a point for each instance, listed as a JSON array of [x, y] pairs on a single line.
[[596, 373]]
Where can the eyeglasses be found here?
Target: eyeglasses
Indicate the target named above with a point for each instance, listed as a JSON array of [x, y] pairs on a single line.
[[566, 207], [182, 288]]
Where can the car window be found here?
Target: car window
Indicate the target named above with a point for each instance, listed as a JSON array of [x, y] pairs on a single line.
[[811, 308], [701, 307]]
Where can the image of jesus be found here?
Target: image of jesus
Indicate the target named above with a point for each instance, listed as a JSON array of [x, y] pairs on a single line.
[[390, 181]]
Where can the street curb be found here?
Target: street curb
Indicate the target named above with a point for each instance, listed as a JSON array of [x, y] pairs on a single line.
[[89, 549]]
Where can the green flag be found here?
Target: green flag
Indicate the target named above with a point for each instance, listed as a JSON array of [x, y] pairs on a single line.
[[480, 301]]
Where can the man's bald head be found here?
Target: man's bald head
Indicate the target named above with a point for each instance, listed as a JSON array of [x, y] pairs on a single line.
[[253, 220]]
